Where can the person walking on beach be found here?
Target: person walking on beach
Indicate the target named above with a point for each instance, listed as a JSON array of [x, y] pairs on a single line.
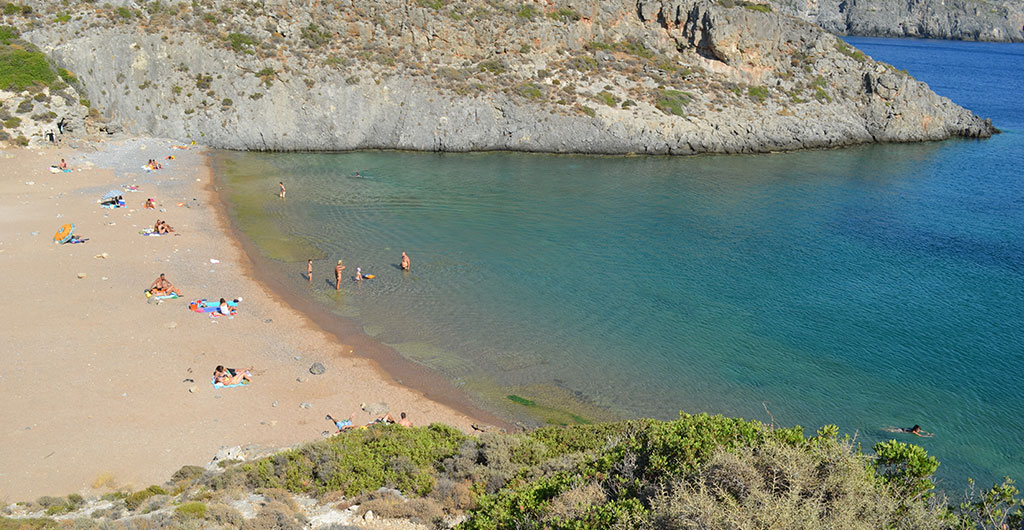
[[282, 189], [406, 263], [309, 272], [337, 275]]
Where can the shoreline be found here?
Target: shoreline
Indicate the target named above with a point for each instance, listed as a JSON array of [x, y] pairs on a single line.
[[390, 364], [103, 391]]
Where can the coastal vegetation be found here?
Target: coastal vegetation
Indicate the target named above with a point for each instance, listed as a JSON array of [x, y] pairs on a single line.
[[696, 471]]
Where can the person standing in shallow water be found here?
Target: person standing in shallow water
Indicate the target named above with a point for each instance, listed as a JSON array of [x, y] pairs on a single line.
[[406, 262], [337, 275], [282, 189], [309, 272]]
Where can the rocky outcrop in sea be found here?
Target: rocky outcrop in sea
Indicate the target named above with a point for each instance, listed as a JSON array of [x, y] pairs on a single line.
[[992, 20], [609, 77]]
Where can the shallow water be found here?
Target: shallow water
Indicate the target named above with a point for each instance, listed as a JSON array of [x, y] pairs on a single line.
[[868, 287]]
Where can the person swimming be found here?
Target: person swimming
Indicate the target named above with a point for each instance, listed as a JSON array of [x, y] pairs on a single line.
[[915, 430]]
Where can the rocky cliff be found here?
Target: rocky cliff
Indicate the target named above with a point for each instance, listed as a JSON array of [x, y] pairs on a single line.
[[615, 76], [983, 20]]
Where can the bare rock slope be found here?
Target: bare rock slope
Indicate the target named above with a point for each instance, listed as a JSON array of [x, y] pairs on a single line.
[[614, 76]]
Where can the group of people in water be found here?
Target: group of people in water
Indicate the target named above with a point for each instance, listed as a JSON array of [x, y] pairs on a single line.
[[405, 265]]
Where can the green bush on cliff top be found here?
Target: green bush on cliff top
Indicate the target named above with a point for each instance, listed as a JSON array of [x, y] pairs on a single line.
[[21, 69]]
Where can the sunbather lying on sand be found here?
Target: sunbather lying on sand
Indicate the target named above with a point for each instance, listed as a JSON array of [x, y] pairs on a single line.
[[162, 286], [343, 425], [230, 376]]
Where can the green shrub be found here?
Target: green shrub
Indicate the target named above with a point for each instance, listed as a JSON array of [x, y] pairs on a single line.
[[191, 510], [608, 98], [760, 8], [125, 13], [432, 4], [527, 11], [21, 69], [493, 66], [28, 524], [564, 15], [758, 93], [672, 101], [62, 18], [529, 91], [242, 43], [852, 53], [135, 500], [905, 467], [315, 36], [8, 34], [360, 461]]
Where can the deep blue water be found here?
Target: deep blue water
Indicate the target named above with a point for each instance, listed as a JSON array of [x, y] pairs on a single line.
[[869, 287]]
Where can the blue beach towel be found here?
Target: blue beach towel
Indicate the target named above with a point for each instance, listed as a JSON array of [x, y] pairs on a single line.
[[218, 385]]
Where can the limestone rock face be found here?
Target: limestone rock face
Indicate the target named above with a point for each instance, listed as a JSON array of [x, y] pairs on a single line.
[[610, 77], [995, 20]]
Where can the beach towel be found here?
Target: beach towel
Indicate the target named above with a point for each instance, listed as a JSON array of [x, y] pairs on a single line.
[[55, 169], [218, 385], [202, 306], [150, 232]]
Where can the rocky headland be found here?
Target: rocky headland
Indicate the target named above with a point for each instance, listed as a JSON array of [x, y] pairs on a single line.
[[972, 20], [611, 77]]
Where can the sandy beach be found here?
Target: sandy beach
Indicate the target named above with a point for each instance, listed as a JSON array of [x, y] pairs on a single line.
[[101, 389]]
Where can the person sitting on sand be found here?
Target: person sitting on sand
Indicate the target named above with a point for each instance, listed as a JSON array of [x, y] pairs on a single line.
[[63, 165], [230, 376], [224, 308], [406, 263], [150, 203], [162, 286], [343, 425], [162, 227]]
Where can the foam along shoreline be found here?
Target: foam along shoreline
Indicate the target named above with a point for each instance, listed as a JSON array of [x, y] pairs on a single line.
[[102, 390]]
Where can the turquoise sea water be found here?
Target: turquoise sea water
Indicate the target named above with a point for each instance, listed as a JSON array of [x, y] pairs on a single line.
[[870, 287]]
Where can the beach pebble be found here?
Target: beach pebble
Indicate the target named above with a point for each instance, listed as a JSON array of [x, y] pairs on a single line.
[[163, 210], [31, 183], [368, 516], [306, 405], [274, 404], [81, 276], [317, 368], [192, 389], [171, 325]]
